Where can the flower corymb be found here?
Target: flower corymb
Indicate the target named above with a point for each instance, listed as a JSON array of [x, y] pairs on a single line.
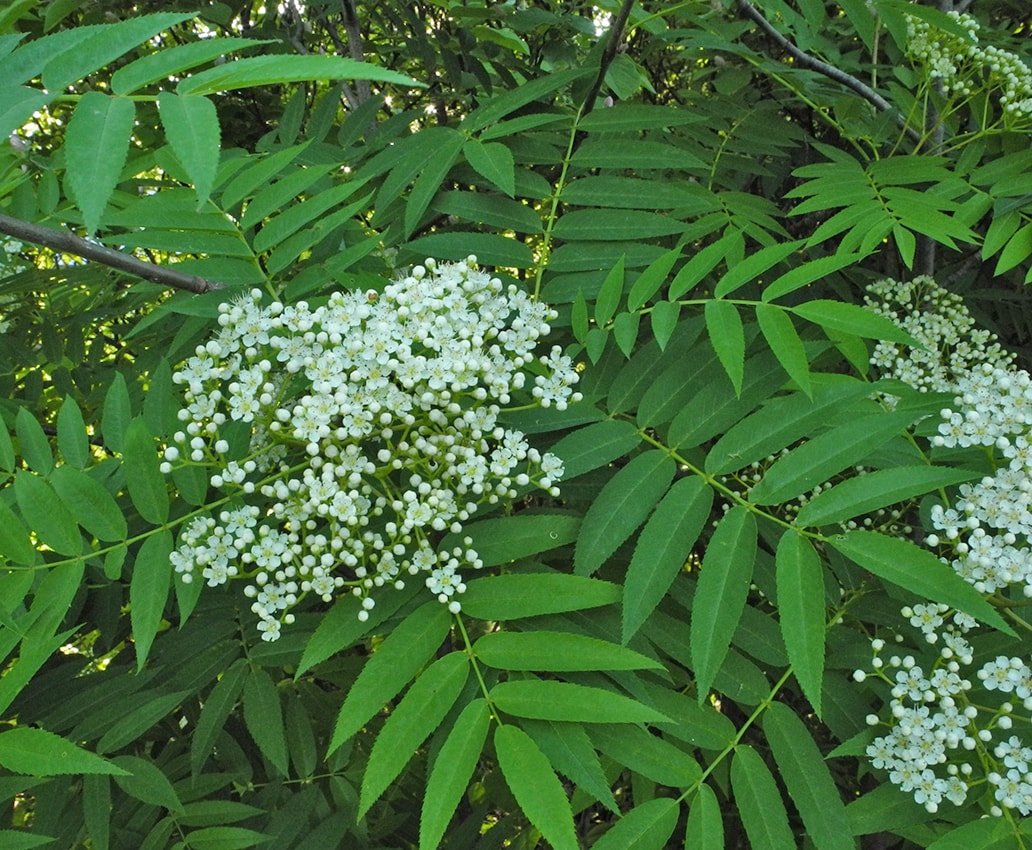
[[349, 437]]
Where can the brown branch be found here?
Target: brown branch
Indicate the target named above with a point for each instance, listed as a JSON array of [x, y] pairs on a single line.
[[354, 31], [69, 243], [615, 35], [814, 64]]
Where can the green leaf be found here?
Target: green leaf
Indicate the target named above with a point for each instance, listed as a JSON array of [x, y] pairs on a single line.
[[571, 752], [595, 445], [171, 61], [842, 318], [866, 493], [301, 742], [664, 319], [489, 248], [93, 507], [800, 586], [420, 712], [806, 775], [579, 318], [281, 68], [17, 104], [917, 570], [102, 45], [663, 548], [217, 707], [546, 699], [621, 506], [647, 826], [6, 448], [494, 161], [610, 294], [12, 840], [71, 434], [497, 212], [192, 129], [116, 414], [602, 225], [652, 279], [393, 665], [754, 265], [501, 540], [515, 596], [824, 456], [535, 786], [807, 273], [15, 544], [147, 487], [428, 183], [906, 244], [885, 808], [96, 805], [340, 627], [641, 155], [625, 117], [705, 827], [727, 335], [225, 838], [142, 717], [1017, 249], [780, 423], [758, 801], [723, 586], [451, 772], [37, 752], [46, 515], [729, 245], [981, 834], [33, 444], [625, 331], [263, 715], [159, 404], [645, 754], [143, 780], [784, 341], [148, 590], [96, 147], [556, 651], [215, 812], [507, 102]]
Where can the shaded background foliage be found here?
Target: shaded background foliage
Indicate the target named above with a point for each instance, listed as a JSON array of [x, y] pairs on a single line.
[[628, 175]]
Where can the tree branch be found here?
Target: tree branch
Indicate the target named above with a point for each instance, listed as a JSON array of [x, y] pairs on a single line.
[[354, 31], [615, 36], [69, 243], [813, 63]]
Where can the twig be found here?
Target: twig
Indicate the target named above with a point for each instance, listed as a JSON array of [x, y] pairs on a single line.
[[813, 63], [69, 243]]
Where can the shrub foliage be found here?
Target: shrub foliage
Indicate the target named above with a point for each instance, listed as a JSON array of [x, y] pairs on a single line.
[[761, 581]]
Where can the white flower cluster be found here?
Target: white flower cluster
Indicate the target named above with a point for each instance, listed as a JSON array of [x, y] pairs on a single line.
[[989, 528], [351, 436], [938, 319], [963, 67], [944, 723], [940, 742]]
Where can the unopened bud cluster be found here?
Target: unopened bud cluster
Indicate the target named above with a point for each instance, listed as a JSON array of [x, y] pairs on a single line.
[[350, 437], [963, 67], [951, 731]]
